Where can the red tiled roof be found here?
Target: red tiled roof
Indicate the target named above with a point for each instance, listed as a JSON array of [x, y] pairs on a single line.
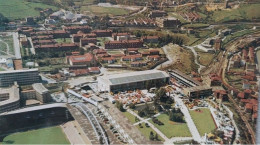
[[241, 95], [81, 58], [108, 58], [154, 56], [248, 91], [249, 106], [132, 49], [91, 69], [154, 50]]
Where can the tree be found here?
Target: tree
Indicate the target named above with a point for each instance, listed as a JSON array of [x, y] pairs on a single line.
[[141, 113], [151, 137], [3, 20], [156, 137], [132, 106], [81, 51], [160, 93], [176, 116], [119, 105]]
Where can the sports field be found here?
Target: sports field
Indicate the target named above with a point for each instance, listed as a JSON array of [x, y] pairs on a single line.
[[50, 135], [170, 128], [17, 9], [203, 120]]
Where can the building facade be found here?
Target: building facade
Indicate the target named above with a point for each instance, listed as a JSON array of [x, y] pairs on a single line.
[[9, 99], [22, 77]]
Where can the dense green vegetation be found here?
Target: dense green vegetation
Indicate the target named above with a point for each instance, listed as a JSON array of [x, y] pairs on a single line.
[[51, 135]]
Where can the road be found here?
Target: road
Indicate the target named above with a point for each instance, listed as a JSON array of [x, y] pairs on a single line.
[[17, 46], [170, 59], [193, 129]]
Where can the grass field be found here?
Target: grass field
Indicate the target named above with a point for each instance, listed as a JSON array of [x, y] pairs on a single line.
[[196, 25], [63, 40], [203, 121], [17, 9], [172, 129], [104, 10], [129, 116], [204, 57], [50, 135], [244, 12], [146, 131]]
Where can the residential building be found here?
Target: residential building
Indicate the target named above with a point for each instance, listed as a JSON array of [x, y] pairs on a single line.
[[157, 13], [168, 22], [103, 33], [86, 41], [121, 36], [87, 59], [76, 29], [123, 44]]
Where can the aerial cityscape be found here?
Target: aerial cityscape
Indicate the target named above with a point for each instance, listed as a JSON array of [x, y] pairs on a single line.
[[129, 72]]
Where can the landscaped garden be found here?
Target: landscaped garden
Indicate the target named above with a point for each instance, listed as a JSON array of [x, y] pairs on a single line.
[[170, 128]]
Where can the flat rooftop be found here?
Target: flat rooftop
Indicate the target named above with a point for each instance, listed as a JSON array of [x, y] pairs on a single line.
[[38, 87], [19, 71], [138, 76]]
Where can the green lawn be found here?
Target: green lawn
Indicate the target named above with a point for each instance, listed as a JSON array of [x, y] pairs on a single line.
[[102, 40], [244, 12], [196, 25], [172, 129], [50, 135], [17, 9], [63, 40], [105, 10], [1, 69], [129, 116], [203, 121], [146, 131]]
